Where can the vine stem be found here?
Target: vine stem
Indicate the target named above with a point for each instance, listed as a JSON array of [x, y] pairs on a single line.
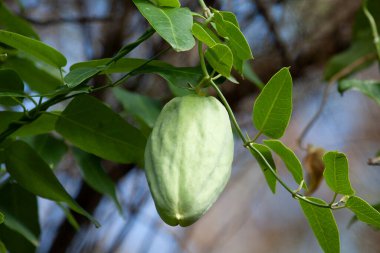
[[372, 22], [206, 10], [249, 145], [246, 141]]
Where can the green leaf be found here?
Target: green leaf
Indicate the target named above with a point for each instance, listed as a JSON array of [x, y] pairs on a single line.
[[336, 173], [14, 241], [220, 58], [95, 128], [287, 155], [370, 88], [364, 211], [32, 173], [50, 148], [70, 218], [273, 107], [42, 125], [250, 75], [10, 82], [362, 53], [172, 24], [229, 16], [21, 211], [260, 152], [362, 29], [205, 35], [15, 24], [355, 218], [3, 249], [236, 39], [219, 24], [95, 176], [7, 117], [238, 42], [80, 75], [7, 94], [39, 78], [141, 107], [1, 217], [167, 3], [33, 47], [123, 65], [322, 222], [238, 63], [176, 76]]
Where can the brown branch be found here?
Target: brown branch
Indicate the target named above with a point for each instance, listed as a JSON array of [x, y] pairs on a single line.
[[58, 21], [89, 200], [351, 67], [280, 45], [374, 161]]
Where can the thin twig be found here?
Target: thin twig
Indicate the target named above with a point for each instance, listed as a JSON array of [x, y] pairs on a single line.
[[339, 75]]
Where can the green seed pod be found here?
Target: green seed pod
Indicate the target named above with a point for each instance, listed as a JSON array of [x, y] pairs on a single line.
[[188, 158]]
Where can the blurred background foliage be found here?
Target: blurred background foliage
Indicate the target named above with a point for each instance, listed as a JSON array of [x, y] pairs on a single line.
[[303, 34]]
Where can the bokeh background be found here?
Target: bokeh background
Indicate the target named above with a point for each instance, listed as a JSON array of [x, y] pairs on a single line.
[[303, 34]]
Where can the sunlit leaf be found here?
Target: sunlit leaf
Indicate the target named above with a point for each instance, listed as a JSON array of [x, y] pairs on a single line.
[[172, 24], [322, 222], [205, 35], [33, 47], [220, 58], [273, 107], [287, 155], [32, 173], [236, 39], [167, 3], [95, 128], [259, 152], [364, 211], [336, 173], [230, 16]]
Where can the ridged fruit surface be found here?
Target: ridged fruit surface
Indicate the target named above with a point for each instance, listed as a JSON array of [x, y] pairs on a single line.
[[188, 158]]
